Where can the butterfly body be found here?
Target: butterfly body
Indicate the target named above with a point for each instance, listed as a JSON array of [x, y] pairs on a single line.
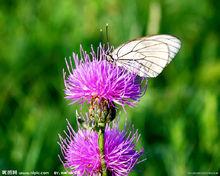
[[109, 58], [146, 56]]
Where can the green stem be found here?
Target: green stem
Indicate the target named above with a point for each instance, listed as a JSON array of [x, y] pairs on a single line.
[[99, 112], [101, 148]]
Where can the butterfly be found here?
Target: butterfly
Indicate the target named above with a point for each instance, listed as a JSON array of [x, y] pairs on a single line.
[[146, 56]]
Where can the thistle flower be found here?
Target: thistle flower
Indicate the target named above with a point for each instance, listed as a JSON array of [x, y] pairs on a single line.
[[95, 77], [81, 152]]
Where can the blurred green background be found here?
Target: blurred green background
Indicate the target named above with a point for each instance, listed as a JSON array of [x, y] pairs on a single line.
[[178, 118]]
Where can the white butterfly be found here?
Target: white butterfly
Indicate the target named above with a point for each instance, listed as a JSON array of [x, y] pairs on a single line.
[[146, 56]]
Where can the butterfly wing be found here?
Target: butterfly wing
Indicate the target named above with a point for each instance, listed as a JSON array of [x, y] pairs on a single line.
[[147, 56]]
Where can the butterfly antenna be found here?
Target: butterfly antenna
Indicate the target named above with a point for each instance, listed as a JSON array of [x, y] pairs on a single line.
[[101, 36], [107, 38], [106, 30]]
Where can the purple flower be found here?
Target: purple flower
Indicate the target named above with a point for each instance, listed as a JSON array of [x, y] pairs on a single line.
[[94, 77], [81, 152]]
